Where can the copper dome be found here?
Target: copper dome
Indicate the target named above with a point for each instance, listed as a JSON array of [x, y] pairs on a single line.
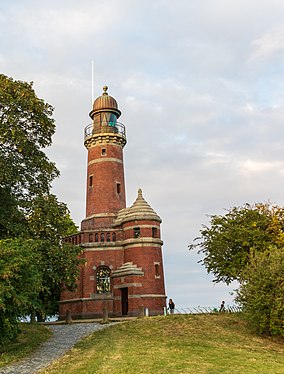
[[105, 102]]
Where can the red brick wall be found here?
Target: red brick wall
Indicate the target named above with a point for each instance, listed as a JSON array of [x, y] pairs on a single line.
[[102, 196]]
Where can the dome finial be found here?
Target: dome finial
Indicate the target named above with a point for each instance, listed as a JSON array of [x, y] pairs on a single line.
[[105, 88]]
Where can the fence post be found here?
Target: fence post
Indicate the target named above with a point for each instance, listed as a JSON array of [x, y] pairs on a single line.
[[141, 311], [68, 316], [105, 315]]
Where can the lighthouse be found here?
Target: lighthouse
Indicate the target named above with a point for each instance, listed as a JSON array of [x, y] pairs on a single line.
[[122, 246]]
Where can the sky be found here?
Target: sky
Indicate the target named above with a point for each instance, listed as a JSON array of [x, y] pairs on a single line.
[[200, 87]]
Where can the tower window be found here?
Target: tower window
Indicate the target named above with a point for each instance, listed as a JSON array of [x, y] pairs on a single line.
[[90, 238], [103, 151], [108, 237], [103, 280], [91, 181], [102, 237], [157, 270], [113, 236], [136, 232], [154, 232], [118, 187], [96, 237]]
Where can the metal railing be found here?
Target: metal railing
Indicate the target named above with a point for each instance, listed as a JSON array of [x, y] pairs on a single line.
[[206, 310], [109, 127]]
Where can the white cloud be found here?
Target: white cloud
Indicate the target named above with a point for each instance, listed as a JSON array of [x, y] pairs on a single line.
[[269, 45], [200, 87]]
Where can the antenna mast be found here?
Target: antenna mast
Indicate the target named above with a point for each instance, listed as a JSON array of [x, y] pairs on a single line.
[[93, 92]]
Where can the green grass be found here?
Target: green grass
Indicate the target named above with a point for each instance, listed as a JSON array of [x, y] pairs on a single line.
[[30, 337], [211, 344]]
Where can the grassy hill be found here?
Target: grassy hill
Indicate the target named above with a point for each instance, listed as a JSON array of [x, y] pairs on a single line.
[[175, 344]]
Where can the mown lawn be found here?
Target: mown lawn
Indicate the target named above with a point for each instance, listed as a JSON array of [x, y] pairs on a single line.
[[211, 344], [30, 337]]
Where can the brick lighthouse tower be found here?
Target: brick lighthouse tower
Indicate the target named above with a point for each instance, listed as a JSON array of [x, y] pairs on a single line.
[[123, 269]]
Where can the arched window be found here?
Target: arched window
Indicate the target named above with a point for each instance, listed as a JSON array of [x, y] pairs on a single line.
[[102, 237], [90, 238], [108, 237], [103, 280], [113, 236], [96, 237]]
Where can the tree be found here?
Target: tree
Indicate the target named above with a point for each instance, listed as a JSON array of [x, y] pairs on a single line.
[[261, 292], [26, 127], [35, 265], [20, 283], [246, 244], [226, 244], [49, 222]]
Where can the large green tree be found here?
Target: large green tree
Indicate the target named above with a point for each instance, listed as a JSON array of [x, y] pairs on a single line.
[[226, 243], [35, 265], [247, 244], [26, 128]]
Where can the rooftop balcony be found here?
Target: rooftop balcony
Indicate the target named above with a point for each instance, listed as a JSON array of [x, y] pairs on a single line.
[[104, 127]]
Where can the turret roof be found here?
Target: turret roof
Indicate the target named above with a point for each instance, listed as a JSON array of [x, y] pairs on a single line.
[[105, 101], [140, 210]]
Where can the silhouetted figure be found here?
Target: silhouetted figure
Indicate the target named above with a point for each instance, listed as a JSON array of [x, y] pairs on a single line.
[[171, 306], [222, 307]]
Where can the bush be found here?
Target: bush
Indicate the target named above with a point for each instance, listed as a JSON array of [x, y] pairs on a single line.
[[261, 292]]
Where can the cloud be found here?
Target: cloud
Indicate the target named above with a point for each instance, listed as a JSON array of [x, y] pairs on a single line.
[[269, 45], [200, 87]]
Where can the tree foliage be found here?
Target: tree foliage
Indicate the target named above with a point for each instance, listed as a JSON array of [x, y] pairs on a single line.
[[20, 283], [26, 127], [261, 293], [227, 242], [35, 265]]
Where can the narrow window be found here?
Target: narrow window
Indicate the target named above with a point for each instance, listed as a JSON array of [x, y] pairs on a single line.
[[157, 270], [103, 151], [102, 237], [103, 280], [108, 237], [90, 238], [136, 232], [118, 187], [154, 232], [96, 237], [113, 236], [91, 181]]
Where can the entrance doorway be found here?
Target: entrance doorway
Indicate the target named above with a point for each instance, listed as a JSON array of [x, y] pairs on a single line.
[[124, 301]]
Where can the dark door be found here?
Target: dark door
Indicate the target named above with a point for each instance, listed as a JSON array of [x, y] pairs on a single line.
[[124, 301]]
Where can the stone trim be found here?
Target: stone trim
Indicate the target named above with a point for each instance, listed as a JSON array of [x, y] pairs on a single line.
[[99, 215], [101, 248], [125, 228], [102, 138], [126, 269], [143, 242], [127, 285], [106, 159]]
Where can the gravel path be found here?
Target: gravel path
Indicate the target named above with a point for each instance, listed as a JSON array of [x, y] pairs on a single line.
[[64, 337]]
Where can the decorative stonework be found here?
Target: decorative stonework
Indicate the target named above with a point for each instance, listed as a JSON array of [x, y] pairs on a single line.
[[127, 269]]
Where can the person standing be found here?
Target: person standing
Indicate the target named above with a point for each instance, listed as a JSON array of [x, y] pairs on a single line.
[[222, 307], [171, 306]]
